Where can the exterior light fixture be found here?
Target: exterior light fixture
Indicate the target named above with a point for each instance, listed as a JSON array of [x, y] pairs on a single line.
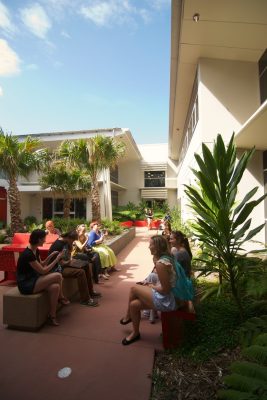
[[196, 17]]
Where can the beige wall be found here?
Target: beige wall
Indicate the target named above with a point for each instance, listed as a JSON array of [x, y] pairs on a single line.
[[228, 96]]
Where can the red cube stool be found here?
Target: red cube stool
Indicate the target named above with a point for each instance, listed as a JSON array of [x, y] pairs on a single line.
[[173, 327]]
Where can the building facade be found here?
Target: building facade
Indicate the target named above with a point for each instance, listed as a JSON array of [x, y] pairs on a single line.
[[219, 85], [137, 177]]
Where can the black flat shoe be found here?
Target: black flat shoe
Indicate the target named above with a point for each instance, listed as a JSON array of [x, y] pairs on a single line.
[[125, 321], [125, 342]]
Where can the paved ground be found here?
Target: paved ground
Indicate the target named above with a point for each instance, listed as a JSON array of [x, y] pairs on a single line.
[[88, 341]]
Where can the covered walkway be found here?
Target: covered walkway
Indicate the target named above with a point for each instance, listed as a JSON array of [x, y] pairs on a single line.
[[88, 341]]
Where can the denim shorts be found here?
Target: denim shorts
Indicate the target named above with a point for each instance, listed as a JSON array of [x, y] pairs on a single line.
[[163, 302]]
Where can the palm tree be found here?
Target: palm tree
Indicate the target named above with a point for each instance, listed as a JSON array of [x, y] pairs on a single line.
[[18, 159], [61, 177], [93, 156]]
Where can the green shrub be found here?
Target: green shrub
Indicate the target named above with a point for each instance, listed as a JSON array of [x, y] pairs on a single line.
[[30, 220], [2, 237], [113, 227], [66, 225], [207, 336]]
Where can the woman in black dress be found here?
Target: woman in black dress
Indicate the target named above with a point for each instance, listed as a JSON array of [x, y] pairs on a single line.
[[33, 275]]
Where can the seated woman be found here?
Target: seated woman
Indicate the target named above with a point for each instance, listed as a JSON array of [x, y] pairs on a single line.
[[159, 297], [82, 273], [167, 230], [50, 228], [180, 248], [33, 274], [107, 256], [82, 251]]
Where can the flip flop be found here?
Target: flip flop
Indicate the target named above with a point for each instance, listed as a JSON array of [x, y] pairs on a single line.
[[125, 321], [125, 342], [64, 301]]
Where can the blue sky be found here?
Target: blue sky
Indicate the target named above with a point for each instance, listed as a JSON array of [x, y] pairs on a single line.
[[85, 64]]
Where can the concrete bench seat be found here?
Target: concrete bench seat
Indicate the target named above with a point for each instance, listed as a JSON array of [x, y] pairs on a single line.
[[29, 312]]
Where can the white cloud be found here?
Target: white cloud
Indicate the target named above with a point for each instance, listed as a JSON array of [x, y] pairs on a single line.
[[36, 20], [158, 4], [100, 13], [32, 67], [1, 91], [5, 21], [65, 34], [9, 60], [106, 13]]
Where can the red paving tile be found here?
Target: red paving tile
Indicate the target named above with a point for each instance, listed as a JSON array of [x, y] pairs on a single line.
[[88, 341]]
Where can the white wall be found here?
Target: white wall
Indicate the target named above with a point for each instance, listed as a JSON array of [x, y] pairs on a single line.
[[131, 177], [228, 96]]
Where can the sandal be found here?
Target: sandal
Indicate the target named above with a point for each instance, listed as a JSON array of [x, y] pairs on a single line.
[[52, 320], [125, 321], [64, 301], [104, 276]]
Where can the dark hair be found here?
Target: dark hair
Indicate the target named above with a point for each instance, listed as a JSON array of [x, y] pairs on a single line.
[[161, 245], [36, 235], [182, 239], [167, 225], [70, 235]]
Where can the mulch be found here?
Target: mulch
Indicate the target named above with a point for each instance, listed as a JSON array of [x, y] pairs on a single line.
[[178, 378]]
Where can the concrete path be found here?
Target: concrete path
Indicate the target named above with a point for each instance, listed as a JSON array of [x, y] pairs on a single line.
[[88, 341]]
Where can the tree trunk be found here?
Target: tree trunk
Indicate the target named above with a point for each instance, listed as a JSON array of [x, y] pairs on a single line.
[[66, 207], [95, 201], [235, 292], [15, 210]]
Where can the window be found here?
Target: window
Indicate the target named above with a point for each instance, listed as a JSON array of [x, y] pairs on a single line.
[[54, 208], [114, 174], [154, 178], [263, 76], [114, 198]]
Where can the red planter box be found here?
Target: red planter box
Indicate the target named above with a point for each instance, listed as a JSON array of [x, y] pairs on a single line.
[[128, 224], [140, 223]]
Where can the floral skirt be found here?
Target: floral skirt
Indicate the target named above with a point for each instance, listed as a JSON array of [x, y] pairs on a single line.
[[163, 302], [106, 254]]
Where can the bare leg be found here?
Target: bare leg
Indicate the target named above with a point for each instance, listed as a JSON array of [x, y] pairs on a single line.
[[51, 283], [140, 298]]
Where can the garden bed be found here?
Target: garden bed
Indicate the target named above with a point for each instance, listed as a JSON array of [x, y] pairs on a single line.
[[118, 242]]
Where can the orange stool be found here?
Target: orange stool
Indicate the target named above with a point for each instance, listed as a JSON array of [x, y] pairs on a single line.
[[173, 327]]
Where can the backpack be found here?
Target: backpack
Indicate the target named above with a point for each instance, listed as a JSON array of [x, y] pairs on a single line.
[[183, 289]]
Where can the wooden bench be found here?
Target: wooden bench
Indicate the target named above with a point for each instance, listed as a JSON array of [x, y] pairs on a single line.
[[173, 326], [29, 312]]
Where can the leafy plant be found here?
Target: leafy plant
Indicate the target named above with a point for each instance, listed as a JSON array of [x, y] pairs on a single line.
[[2, 237], [30, 220], [93, 156], [34, 226], [69, 224], [249, 378], [113, 227], [215, 316], [222, 225], [18, 159], [177, 223]]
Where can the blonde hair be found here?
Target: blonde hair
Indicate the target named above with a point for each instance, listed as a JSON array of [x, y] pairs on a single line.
[[161, 245]]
